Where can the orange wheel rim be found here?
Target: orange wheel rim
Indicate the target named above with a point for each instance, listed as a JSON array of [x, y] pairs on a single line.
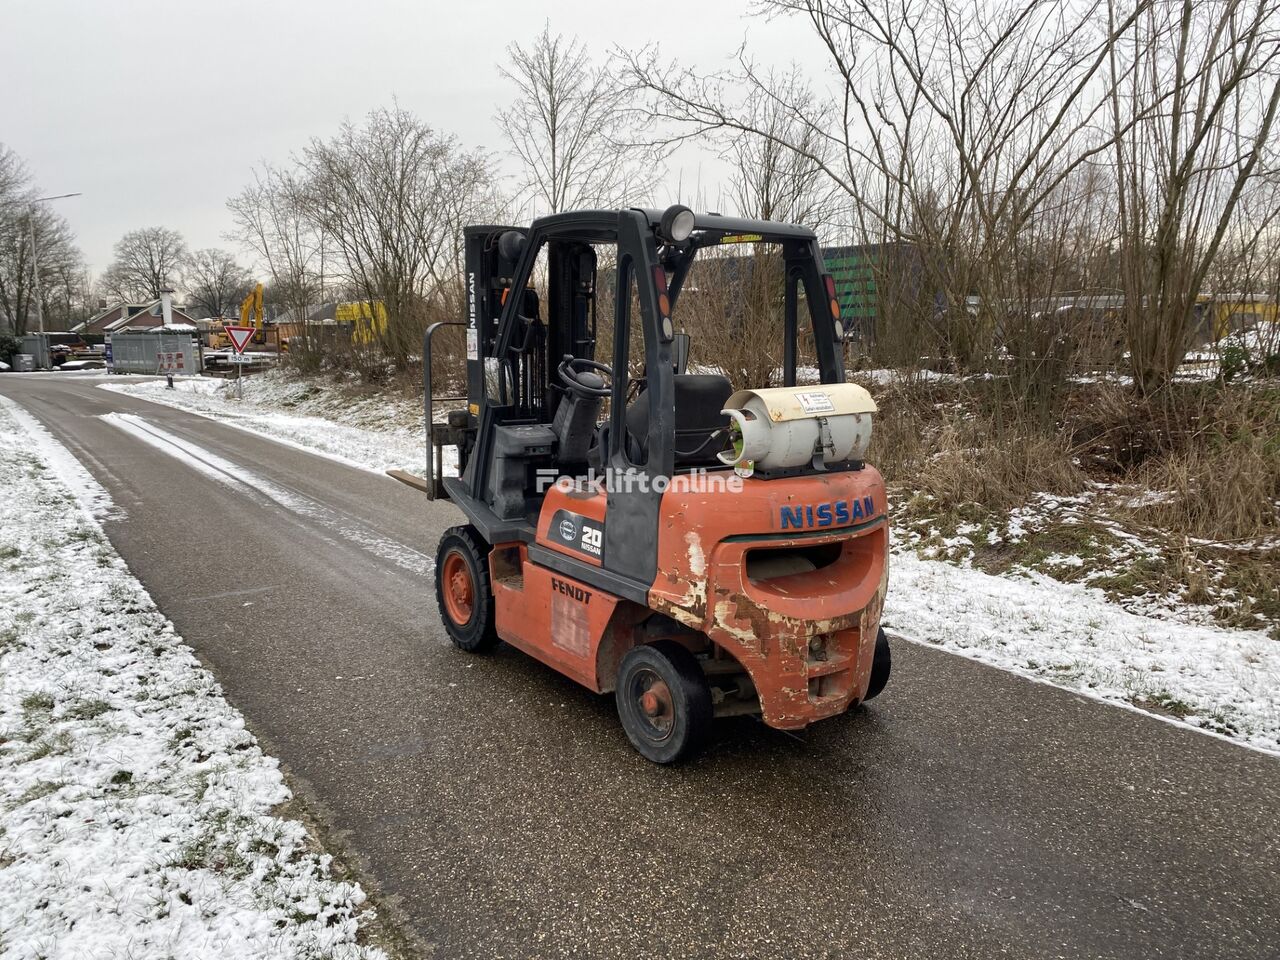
[[657, 706], [459, 589]]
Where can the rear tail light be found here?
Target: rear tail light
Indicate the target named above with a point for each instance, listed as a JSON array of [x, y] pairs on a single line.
[[829, 282], [660, 280]]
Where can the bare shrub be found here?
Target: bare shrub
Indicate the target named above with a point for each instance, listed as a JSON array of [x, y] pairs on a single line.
[[732, 308], [965, 467], [1221, 480], [957, 445]]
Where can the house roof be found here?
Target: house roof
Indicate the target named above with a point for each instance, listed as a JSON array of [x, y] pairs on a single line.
[[128, 308], [152, 310]]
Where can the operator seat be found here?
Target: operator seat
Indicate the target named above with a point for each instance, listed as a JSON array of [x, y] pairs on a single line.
[[699, 399]]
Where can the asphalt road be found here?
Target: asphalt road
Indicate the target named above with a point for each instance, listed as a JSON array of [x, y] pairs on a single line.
[[499, 811]]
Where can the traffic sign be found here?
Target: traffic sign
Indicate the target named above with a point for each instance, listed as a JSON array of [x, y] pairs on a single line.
[[239, 336]]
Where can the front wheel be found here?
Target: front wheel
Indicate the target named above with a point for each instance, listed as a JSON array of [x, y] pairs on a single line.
[[462, 589], [664, 702], [881, 663]]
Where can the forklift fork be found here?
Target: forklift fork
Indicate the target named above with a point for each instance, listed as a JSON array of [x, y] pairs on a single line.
[[437, 434]]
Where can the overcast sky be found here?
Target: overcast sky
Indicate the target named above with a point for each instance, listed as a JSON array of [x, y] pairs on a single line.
[[157, 111]]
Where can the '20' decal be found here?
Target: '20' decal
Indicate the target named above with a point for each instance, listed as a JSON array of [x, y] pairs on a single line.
[[578, 533]]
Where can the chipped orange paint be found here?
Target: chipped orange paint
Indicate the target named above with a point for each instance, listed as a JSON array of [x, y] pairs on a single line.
[[768, 624]]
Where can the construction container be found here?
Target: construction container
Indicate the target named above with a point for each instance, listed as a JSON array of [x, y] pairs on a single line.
[[154, 353]]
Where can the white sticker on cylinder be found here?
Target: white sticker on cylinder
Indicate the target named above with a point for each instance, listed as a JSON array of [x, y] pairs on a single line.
[[815, 402]]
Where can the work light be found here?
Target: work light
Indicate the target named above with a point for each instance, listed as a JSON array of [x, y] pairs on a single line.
[[676, 223]]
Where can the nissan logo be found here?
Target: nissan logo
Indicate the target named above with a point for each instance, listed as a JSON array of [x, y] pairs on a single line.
[[568, 529]]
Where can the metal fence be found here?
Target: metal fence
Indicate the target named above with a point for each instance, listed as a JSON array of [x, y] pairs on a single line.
[[153, 353]]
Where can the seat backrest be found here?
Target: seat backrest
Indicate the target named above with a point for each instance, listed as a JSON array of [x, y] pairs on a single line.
[[699, 398]]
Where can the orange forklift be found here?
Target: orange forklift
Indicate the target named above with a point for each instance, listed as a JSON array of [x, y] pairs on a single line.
[[697, 548]]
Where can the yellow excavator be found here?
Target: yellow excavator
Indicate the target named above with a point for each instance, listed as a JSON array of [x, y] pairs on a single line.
[[250, 316]]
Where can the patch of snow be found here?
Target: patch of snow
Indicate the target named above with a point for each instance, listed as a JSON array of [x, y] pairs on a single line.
[[1063, 560], [1222, 681], [205, 386], [135, 808], [1146, 498], [1014, 529], [89, 495], [956, 542], [888, 376]]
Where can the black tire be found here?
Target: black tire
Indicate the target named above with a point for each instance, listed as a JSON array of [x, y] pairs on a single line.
[[682, 720], [881, 665], [463, 549]]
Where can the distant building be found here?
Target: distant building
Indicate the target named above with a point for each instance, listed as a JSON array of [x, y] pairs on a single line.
[[357, 321], [314, 313], [875, 280], [131, 316]]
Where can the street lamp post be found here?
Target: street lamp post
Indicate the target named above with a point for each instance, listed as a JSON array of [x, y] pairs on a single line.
[[35, 253]]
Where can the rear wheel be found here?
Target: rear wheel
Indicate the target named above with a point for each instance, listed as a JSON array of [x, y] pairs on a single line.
[[664, 702], [462, 589], [880, 667]]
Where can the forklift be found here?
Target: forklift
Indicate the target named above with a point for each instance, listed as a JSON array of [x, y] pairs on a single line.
[[697, 548]]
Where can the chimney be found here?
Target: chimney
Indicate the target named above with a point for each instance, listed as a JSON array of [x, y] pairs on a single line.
[[166, 306]]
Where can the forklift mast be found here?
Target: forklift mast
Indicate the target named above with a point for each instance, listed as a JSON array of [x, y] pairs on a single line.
[[570, 291], [489, 278], [514, 349]]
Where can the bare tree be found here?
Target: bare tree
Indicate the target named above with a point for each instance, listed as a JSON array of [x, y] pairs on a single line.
[[1194, 93], [146, 262], [16, 294], [62, 269], [214, 282], [565, 126], [392, 197], [272, 219], [949, 128], [773, 181], [14, 178]]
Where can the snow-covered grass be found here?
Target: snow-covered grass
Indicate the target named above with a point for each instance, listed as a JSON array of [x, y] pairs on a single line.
[[136, 811], [1077, 539], [1240, 353], [1069, 634]]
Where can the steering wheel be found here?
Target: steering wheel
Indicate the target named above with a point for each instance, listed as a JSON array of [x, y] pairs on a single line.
[[571, 370]]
